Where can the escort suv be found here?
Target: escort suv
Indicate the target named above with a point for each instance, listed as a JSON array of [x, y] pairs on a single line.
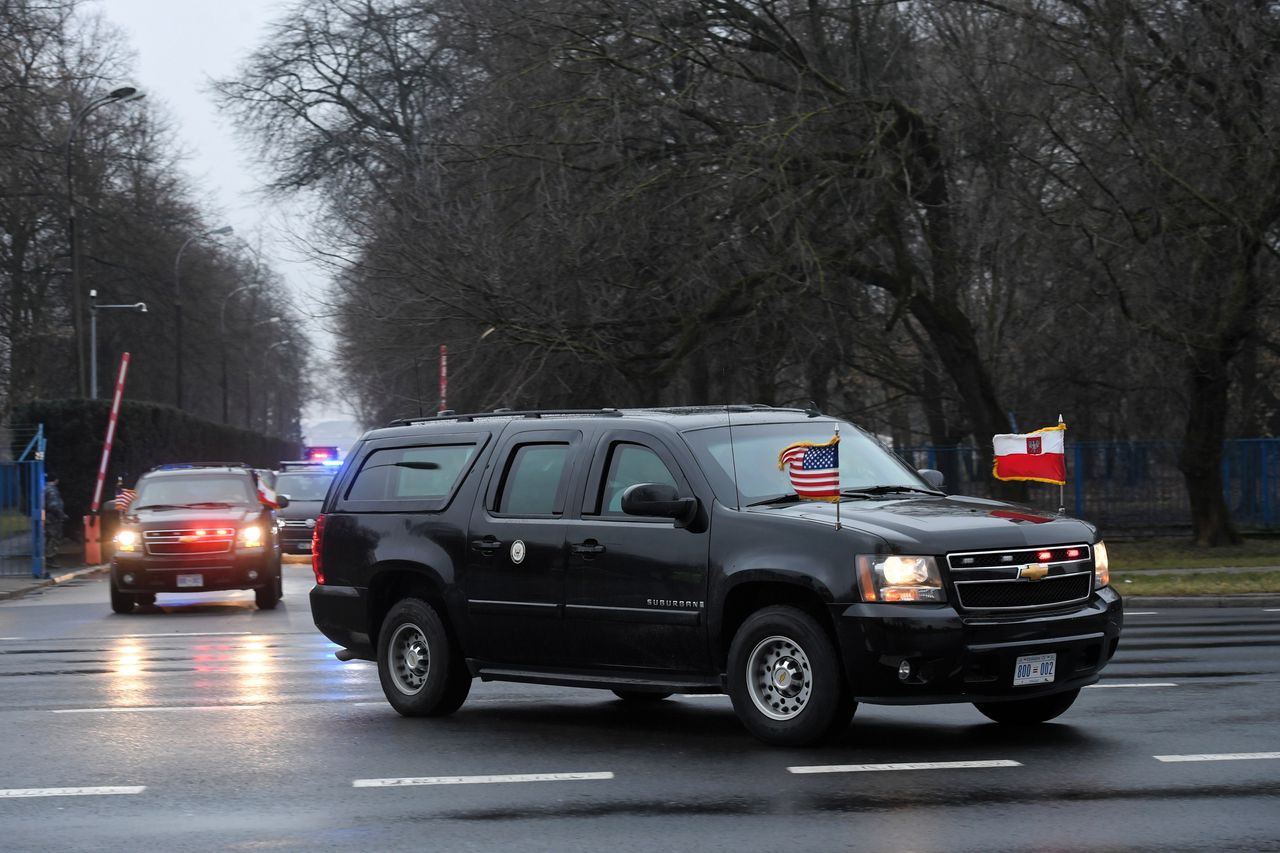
[[304, 485], [655, 552], [197, 527]]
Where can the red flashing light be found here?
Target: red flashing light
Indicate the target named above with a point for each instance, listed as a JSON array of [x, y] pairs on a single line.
[[1073, 553], [317, 539], [1044, 556]]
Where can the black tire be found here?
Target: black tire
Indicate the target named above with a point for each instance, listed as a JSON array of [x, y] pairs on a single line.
[[797, 677], [145, 599], [121, 602], [1027, 712], [639, 697], [269, 596], [422, 673]]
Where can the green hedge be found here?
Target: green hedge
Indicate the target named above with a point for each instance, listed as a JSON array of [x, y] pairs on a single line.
[[147, 435]]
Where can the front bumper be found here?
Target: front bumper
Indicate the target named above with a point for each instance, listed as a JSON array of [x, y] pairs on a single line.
[[958, 657], [150, 574], [295, 541]]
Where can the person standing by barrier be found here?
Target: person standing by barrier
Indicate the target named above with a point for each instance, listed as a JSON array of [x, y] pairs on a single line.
[[55, 520]]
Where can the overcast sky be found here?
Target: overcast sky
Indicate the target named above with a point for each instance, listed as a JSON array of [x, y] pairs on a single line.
[[181, 45]]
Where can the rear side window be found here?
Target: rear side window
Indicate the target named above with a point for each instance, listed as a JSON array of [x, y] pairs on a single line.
[[410, 474], [533, 479]]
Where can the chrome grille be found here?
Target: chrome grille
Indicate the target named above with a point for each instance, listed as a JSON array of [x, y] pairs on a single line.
[[997, 580], [189, 541]]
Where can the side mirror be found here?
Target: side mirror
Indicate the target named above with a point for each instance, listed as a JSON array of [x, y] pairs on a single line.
[[282, 501], [934, 478], [658, 500]]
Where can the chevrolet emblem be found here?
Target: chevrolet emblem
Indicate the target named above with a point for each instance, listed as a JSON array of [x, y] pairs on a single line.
[[1033, 571]]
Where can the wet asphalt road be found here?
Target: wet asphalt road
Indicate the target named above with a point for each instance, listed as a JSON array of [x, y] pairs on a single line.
[[224, 728]]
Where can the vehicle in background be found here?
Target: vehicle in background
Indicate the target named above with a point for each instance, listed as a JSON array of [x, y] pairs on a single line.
[[324, 455], [304, 485], [196, 527]]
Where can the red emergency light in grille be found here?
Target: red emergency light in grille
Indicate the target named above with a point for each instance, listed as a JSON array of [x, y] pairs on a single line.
[[1073, 553], [1044, 556]]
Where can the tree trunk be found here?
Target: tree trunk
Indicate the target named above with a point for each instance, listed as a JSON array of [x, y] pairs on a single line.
[[1200, 459]]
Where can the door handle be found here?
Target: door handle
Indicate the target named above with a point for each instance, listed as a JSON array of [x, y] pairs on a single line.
[[587, 549], [486, 546]]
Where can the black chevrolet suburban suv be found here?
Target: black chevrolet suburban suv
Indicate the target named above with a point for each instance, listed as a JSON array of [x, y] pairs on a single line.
[[196, 527], [652, 552]]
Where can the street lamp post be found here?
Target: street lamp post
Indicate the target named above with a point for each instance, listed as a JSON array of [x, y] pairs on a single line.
[[119, 95], [94, 308], [248, 385], [222, 337], [177, 304]]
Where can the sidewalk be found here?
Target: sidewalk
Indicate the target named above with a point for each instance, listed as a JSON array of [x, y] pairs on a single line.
[[13, 586]]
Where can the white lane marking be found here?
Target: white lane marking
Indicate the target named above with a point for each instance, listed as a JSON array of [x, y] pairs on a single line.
[[1271, 610], [1136, 684], [478, 780], [912, 765], [1141, 612], [121, 709], [1221, 756], [70, 792], [704, 696]]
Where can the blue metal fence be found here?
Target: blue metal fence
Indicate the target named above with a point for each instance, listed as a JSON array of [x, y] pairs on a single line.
[[1131, 485], [22, 511]]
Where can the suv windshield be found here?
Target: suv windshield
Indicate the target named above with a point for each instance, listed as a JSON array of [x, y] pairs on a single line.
[[864, 462], [185, 489], [303, 487]]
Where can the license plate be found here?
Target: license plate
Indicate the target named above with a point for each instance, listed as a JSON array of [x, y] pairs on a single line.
[[198, 580], [1034, 669]]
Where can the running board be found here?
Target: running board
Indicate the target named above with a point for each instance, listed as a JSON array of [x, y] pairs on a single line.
[[601, 680]]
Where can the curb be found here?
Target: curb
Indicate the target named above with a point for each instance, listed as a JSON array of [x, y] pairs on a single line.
[[41, 583], [1242, 600]]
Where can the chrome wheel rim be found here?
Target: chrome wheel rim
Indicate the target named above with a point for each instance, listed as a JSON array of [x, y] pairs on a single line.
[[779, 678], [409, 658]]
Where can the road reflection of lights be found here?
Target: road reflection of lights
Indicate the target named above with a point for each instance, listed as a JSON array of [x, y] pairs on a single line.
[[129, 684], [254, 670]]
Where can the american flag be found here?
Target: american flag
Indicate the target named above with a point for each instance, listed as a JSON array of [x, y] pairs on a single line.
[[124, 497], [814, 469]]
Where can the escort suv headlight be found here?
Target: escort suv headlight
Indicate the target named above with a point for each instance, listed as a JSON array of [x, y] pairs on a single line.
[[249, 537], [899, 578], [128, 540], [1101, 566]]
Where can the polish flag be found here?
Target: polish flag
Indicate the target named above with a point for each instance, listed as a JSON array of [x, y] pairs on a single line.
[[1039, 456]]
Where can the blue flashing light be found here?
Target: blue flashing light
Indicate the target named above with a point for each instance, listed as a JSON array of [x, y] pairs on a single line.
[[332, 463]]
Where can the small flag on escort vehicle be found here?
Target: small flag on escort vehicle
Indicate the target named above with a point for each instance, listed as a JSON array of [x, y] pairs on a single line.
[[814, 469], [124, 497], [1039, 456], [267, 495]]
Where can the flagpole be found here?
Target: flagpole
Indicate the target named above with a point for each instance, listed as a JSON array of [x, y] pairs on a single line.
[[837, 476], [1062, 487]]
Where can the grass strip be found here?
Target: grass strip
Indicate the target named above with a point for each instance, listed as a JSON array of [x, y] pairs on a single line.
[[1197, 583]]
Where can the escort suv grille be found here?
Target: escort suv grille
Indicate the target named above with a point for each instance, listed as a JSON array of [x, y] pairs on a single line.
[[296, 522], [1022, 578], [205, 540]]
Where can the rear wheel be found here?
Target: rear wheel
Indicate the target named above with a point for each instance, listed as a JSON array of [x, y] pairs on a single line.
[[1026, 712], [145, 599], [785, 678], [422, 674], [639, 697], [121, 602]]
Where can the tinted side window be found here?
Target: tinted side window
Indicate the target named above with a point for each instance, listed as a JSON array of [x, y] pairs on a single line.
[[533, 479], [410, 473], [630, 464]]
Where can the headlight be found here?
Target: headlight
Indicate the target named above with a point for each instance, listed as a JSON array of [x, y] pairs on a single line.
[[1101, 566], [899, 578], [250, 537], [127, 540]]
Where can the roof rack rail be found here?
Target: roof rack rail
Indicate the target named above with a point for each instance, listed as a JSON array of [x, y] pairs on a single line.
[[507, 413], [177, 466]]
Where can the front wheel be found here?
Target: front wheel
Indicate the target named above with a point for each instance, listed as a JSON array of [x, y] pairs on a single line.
[[785, 678], [1026, 712], [121, 602], [268, 597], [422, 674]]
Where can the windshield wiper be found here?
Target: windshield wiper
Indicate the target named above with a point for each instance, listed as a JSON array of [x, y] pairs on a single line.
[[209, 504], [780, 499], [888, 490], [157, 506]]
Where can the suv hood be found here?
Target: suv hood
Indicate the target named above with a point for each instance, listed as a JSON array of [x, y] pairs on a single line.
[[937, 525], [162, 518], [300, 510]]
